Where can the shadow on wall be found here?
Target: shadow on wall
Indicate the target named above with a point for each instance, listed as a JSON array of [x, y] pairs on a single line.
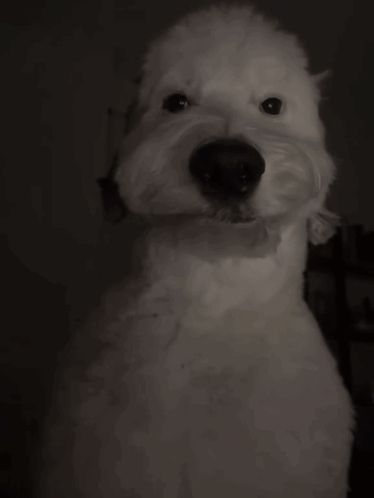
[[34, 320]]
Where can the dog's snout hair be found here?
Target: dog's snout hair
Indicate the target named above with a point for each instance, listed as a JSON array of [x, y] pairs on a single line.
[[226, 169]]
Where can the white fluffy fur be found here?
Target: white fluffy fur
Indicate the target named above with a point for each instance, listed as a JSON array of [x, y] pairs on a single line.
[[208, 377]]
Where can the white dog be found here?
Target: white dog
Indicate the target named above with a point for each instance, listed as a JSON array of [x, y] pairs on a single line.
[[208, 377]]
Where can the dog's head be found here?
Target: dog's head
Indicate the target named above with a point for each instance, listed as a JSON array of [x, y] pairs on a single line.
[[227, 125]]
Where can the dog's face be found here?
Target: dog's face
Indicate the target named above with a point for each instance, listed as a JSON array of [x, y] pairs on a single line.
[[227, 125]]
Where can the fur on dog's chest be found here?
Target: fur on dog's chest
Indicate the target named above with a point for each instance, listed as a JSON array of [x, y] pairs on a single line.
[[163, 356], [176, 386], [162, 391]]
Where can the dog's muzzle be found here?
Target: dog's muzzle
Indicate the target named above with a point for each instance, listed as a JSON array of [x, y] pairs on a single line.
[[227, 169]]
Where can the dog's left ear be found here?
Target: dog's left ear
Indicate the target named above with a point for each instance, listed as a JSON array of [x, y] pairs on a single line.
[[322, 79], [322, 226]]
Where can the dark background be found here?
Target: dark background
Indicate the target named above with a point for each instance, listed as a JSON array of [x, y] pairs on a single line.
[[63, 63]]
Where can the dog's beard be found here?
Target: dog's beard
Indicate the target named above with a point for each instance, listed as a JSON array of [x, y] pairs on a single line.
[[215, 213], [213, 239], [230, 212]]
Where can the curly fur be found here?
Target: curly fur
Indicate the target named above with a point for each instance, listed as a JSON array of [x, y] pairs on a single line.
[[208, 376]]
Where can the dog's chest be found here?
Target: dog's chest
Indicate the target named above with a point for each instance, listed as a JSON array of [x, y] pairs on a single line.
[[165, 355], [175, 383], [186, 338]]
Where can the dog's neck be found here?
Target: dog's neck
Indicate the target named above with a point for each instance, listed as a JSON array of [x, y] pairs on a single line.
[[226, 267]]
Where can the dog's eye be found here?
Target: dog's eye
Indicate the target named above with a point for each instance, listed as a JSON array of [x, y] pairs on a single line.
[[272, 105], [176, 102]]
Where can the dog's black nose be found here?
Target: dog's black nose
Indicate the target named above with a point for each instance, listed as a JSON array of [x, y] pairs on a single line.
[[227, 168]]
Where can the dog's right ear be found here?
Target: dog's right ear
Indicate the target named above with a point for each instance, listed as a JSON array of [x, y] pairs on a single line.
[[114, 207]]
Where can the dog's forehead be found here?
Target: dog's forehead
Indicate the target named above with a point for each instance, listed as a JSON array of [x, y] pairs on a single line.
[[210, 70], [224, 47], [230, 60], [215, 68]]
